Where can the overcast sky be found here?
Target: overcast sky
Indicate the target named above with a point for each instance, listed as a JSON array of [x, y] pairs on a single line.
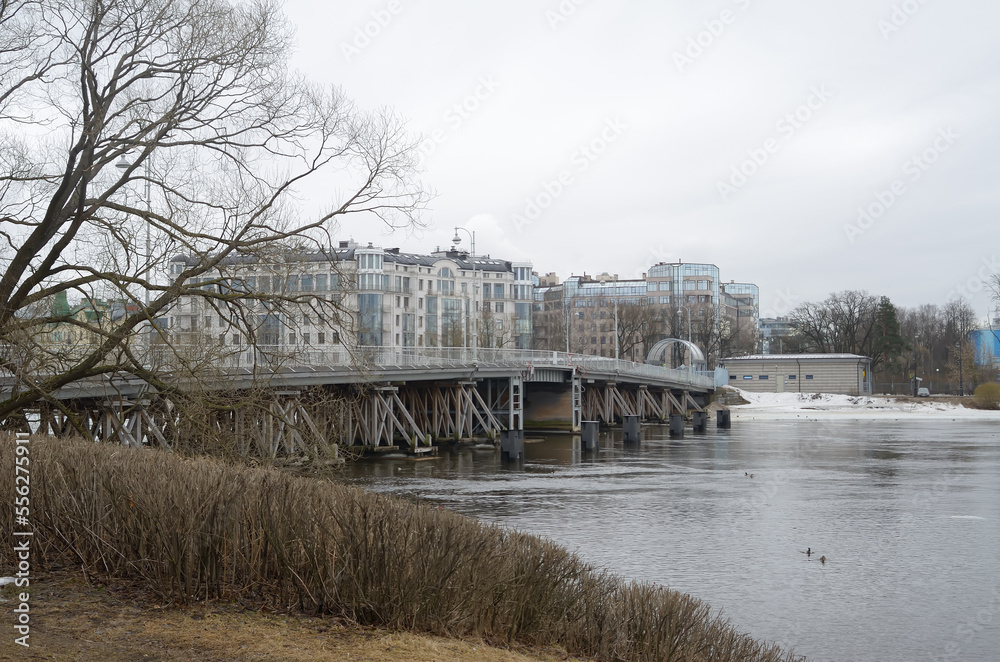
[[609, 135]]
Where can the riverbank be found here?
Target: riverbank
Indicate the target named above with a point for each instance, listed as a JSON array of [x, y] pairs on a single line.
[[269, 542], [791, 406], [86, 620]]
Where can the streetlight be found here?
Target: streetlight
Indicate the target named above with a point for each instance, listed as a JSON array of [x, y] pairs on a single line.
[[475, 284], [961, 378], [682, 309], [616, 324]]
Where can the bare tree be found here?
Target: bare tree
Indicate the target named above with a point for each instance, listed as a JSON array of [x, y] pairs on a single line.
[[639, 327], [844, 322], [214, 138], [492, 332]]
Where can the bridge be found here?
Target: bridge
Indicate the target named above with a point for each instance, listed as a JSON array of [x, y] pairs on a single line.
[[299, 403]]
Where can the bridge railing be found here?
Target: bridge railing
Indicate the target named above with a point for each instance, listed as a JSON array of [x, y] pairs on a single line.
[[361, 359]]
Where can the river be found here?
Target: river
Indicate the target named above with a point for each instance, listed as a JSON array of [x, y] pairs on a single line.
[[905, 512]]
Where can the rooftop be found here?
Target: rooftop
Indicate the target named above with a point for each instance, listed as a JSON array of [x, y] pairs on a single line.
[[794, 357]]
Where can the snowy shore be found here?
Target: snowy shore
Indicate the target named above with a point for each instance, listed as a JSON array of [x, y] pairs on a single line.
[[784, 406]]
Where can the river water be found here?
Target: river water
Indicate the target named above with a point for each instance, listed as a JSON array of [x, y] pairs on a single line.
[[906, 512]]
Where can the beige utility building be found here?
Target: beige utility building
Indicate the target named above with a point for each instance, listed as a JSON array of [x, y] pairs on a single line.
[[849, 374]]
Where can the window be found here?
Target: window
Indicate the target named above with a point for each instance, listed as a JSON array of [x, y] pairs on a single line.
[[498, 290], [406, 302], [321, 282], [792, 377], [320, 338], [763, 377], [732, 377], [747, 376], [291, 338], [420, 284], [420, 303], [593, 340], [809, 376], [335, 336], [306, 282], [499, 306], [604, 340], [235, 340], [305, 338]]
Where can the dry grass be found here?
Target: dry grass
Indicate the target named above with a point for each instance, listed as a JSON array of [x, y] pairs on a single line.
[[122, 621], [196, 529]]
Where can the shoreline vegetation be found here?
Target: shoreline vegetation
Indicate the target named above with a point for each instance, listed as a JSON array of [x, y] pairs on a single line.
[[197, 531]]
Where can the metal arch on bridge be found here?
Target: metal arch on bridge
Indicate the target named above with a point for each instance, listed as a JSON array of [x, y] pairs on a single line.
[[658, 352], [388, 397]]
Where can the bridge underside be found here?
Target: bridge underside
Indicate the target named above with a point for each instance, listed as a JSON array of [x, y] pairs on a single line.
[[314, 414], [311, 422]]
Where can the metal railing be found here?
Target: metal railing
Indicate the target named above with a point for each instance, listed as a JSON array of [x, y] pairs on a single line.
[[428, 358], [223, 359]]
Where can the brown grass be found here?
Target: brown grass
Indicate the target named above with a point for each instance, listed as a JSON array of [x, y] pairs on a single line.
[[195, 529], [75, 620]]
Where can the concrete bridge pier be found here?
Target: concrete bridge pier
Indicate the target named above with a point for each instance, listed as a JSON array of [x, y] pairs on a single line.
[[553, 406], [512, 446], [631, 429], [589, 436]]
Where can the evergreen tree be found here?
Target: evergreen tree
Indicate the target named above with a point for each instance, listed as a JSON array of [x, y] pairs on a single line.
[[889, 343]]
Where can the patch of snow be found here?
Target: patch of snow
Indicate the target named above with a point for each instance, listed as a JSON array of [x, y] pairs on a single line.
[[777, 406]]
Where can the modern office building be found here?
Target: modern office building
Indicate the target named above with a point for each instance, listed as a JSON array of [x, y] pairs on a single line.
[[986, 345], [374, 297], [684, 300], [774, 333]]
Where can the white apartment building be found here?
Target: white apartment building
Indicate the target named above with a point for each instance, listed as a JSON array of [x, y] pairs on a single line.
[[385, 298]]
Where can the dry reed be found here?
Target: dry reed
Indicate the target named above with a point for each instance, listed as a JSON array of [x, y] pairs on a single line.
[[197, 528]]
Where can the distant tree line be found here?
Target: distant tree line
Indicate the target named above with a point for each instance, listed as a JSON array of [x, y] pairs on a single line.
[[929, 341]]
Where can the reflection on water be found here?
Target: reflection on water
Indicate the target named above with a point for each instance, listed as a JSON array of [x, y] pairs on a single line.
[[907, 514]]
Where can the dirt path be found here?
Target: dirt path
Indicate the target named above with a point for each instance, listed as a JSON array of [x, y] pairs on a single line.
[[89, 622]]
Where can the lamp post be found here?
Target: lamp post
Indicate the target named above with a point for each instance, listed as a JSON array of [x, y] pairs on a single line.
[[475, 284], [681, 309], [961, 378], [616, 327]]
